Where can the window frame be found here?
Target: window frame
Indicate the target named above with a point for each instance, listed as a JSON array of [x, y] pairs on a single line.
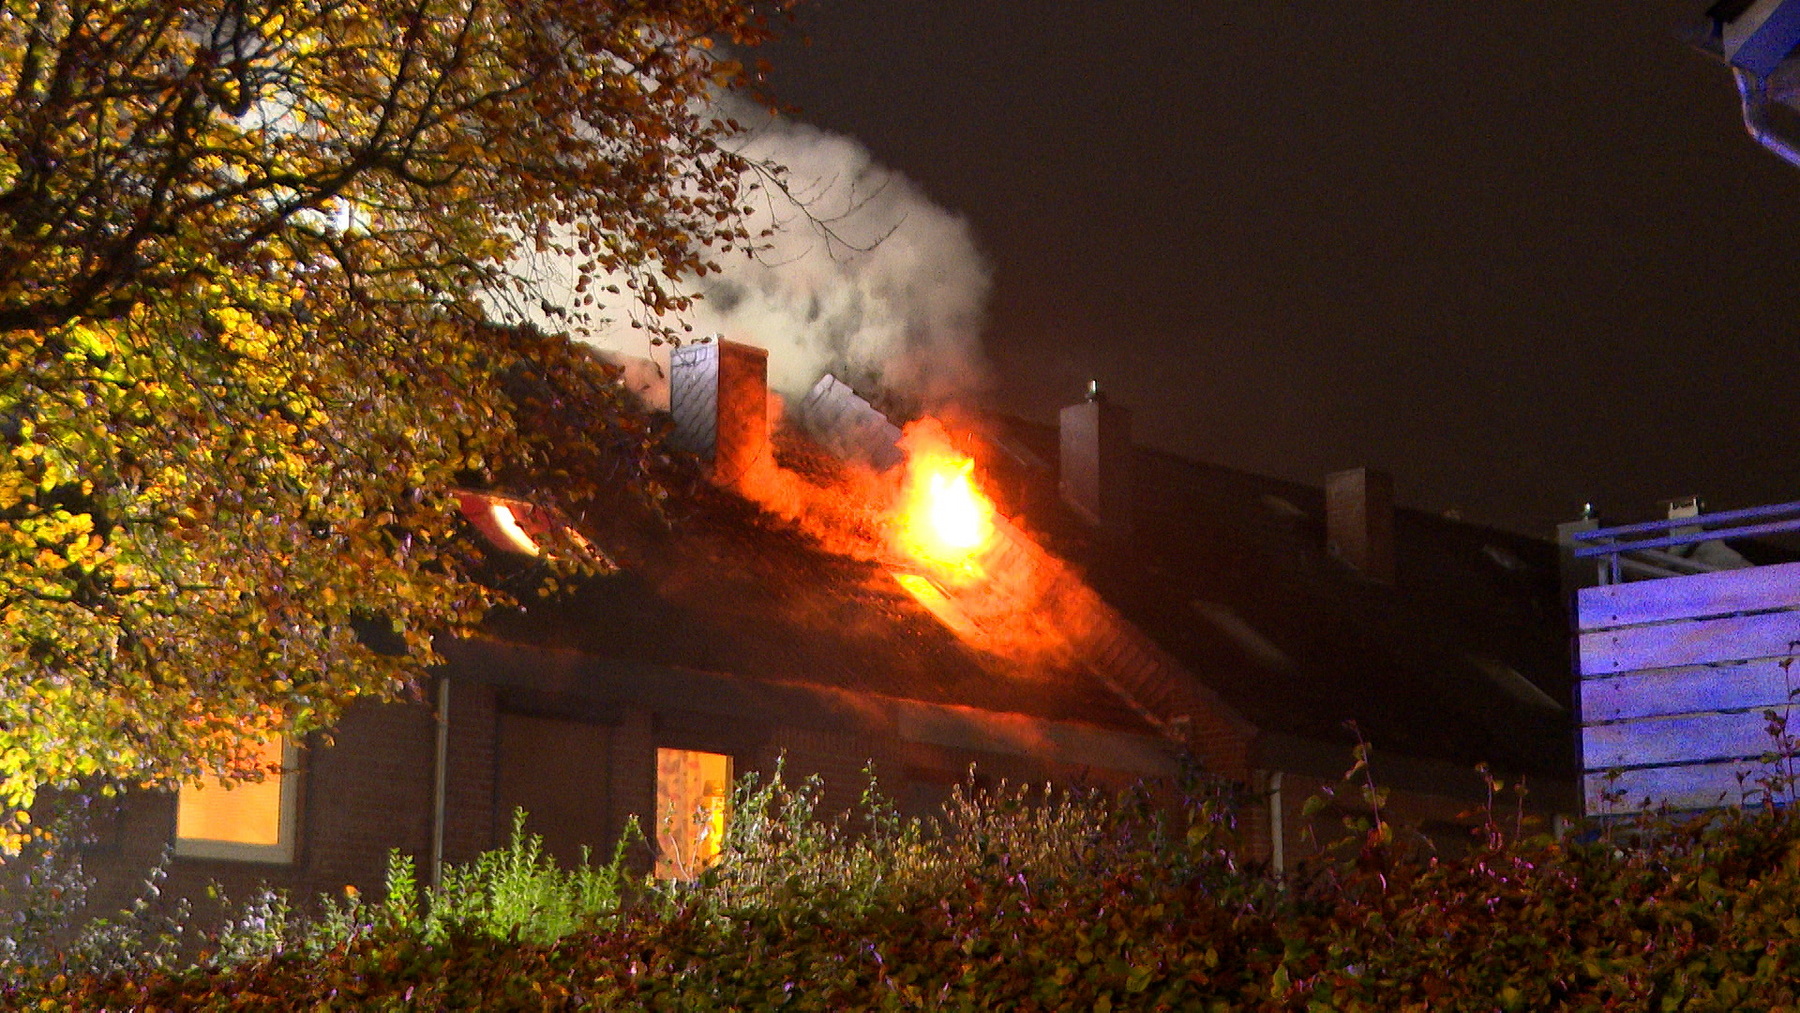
[[283, 851]]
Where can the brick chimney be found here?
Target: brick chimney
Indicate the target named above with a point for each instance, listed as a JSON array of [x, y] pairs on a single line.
[[719, 395], [1359, 520], [1096, 462]]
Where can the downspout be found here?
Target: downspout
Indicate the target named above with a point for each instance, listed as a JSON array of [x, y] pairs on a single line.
[[440, 781], [1754, 94], [1277, 846]]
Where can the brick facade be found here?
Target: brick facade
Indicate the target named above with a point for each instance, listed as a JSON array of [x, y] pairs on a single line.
[[584, 765], [582, 761]]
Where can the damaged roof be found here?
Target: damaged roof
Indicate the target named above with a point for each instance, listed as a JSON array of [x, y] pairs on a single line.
[[727, 588], [1463, 658]]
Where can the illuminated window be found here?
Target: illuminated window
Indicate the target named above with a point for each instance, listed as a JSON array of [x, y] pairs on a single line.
[[928, 594], [507, 523], [692, 792], [245, 822]]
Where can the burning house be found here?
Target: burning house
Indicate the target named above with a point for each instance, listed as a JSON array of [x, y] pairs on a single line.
[[1043, 603]]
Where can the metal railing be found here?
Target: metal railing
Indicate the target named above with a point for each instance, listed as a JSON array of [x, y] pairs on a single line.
[[1641, 548]]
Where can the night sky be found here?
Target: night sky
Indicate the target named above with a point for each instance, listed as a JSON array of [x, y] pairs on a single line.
[[1519, 253]]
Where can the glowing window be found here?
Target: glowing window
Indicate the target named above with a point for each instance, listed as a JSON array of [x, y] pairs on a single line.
[[692, 793], [507, 523], [928, 594], [245, 822]]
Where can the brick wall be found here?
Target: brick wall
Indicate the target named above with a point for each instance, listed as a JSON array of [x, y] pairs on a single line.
[[631, 777], [839, 759], [373, 788], [368, 791], [469, 818]]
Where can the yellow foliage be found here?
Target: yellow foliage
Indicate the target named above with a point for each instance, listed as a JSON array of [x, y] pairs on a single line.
[[241, 266]]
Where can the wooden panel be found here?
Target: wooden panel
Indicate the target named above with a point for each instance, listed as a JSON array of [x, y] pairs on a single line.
[[1737, 638], [1705, 594], [1700, 786], [1676, 740], [1687, 690]]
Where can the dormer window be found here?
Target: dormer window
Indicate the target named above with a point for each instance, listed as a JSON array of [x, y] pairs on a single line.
[[525, 528], [506, 523]]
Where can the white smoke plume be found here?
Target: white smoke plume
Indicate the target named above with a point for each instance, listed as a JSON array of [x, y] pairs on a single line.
[[864, 278]]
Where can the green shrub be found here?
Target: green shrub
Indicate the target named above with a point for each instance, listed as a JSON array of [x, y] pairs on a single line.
[[778, 852], [516, 892], [1037, 900]]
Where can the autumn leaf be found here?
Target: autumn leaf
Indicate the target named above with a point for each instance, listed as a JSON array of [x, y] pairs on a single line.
[[247, 255]]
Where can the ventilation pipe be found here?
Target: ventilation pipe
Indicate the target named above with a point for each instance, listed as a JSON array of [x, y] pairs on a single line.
[[1277, 827], [440, 778]]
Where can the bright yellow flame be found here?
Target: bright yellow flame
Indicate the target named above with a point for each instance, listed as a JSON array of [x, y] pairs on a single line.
[[508, 524], [944, 519], [955, 514]]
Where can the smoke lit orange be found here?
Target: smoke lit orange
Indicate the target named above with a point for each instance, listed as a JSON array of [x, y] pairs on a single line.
[[944, 519]]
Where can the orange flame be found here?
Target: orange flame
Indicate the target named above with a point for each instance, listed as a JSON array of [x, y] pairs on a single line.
[[944, 520]]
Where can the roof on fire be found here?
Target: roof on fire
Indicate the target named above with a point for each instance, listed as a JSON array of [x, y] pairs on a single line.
[[730, 589], [1463, 659]]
